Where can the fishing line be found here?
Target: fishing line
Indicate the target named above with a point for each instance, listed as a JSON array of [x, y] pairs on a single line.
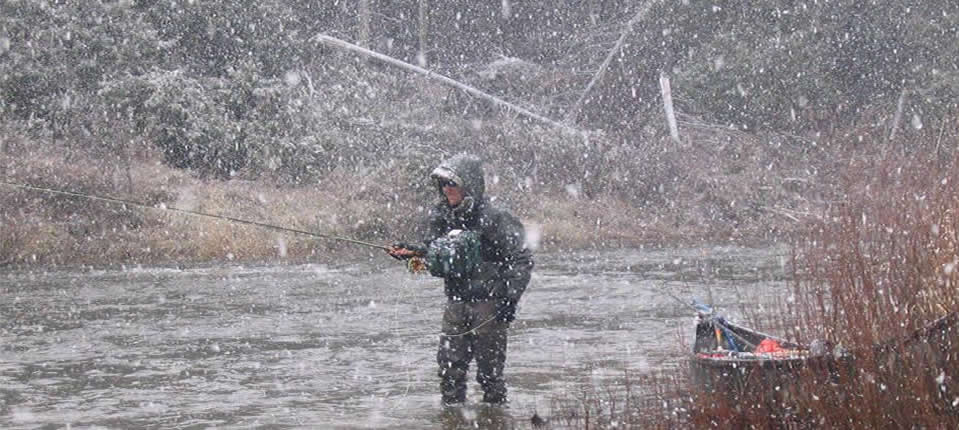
[[489, 320], [710, 313], [441, 334], [164, 207]]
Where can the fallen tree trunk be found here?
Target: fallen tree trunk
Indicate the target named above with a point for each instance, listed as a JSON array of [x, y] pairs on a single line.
[[332, 41]]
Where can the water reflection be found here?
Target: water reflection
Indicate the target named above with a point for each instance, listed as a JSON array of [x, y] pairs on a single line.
[[481, 416]]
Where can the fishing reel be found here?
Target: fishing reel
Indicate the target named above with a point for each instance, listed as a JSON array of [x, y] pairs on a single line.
[[416, 265]]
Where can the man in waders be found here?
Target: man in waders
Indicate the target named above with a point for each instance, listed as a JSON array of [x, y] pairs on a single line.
[[479, 250]]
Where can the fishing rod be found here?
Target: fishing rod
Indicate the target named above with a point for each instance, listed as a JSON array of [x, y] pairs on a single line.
[[698, 307], [227, 218], [164, 207]]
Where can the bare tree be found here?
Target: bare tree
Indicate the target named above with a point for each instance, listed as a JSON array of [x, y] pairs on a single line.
[[363, 23], [422, 31], [574, 111]]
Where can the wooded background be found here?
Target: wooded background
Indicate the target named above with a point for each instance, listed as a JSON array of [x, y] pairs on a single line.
[[238, 88]]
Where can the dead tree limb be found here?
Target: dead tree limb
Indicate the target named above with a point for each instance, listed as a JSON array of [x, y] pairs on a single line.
[[897, 117], [668, 106], [363, 23], [422, 30], [574, 111], [332, 41]]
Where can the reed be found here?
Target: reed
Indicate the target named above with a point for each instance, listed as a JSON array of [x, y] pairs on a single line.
[[654, 400], [879, 271], [871, 276]]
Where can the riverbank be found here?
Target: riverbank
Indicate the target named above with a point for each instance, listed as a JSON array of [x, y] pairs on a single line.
[[379, 207]]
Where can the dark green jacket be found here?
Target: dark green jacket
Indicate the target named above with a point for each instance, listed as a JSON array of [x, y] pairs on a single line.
[[506, 262]]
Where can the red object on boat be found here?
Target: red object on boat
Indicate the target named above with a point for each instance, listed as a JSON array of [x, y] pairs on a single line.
[[768, 345]]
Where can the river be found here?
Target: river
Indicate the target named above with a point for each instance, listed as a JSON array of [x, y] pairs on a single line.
[[338, 346]]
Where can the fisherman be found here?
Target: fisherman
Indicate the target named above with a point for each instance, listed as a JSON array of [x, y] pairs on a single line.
[[479, 250]]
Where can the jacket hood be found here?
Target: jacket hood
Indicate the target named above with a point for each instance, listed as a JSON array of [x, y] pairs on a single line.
[[464, 169]]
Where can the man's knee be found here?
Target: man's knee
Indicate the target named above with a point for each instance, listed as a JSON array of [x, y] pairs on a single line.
[[453, 352], [490, 378], [455, 373]]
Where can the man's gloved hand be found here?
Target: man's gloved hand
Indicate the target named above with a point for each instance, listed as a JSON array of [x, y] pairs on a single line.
[[405, 251], [506, 310]]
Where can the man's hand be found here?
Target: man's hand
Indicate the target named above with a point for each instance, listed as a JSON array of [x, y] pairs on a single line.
[[404, 251]]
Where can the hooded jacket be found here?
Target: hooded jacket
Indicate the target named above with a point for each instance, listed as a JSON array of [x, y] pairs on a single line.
[[506, 263]]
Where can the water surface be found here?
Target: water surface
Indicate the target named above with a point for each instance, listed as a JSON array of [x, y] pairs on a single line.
[[348, 346]]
